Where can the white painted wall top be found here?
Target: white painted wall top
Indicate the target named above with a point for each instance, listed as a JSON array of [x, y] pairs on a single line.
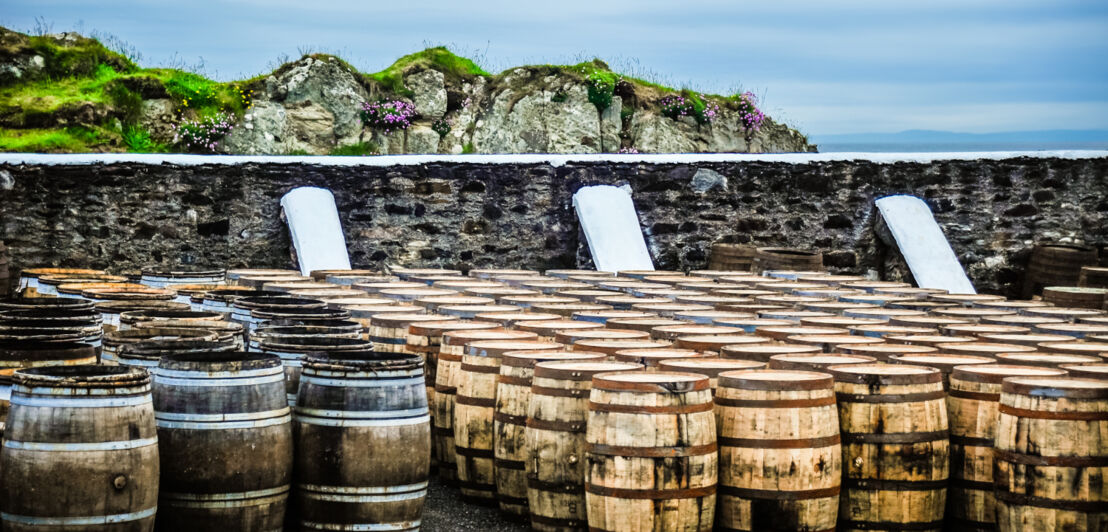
[[40, 159]]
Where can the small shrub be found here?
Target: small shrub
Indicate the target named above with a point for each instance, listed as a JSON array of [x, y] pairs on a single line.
[[678, 105], [138, 140], [361, 148], [203, 135], [441, 126], [190, 90], [559, 97], [126, 101], [469, 148], [388, 115], [752, 117], [602, 86]]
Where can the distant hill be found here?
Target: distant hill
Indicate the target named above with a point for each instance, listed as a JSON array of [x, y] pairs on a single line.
[[918, 136]]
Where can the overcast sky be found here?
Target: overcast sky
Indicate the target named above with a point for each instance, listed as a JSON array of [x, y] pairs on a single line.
[[824, 66]]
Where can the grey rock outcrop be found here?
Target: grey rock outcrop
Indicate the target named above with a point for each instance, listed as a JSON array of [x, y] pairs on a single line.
[[313, 106]]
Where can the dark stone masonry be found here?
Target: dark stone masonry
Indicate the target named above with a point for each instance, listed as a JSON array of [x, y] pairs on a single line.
[[457, 214]]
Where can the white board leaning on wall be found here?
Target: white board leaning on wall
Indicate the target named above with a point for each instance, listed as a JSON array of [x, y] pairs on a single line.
[[611, 227], [316, 231]]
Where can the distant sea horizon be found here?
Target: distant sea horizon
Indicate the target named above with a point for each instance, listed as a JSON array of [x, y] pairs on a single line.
[[934, 147]]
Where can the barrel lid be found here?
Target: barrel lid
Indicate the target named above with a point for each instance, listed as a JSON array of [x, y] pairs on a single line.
[[651, 357], [1074, 329], [458, 283], [316, 344], [369, 311], [1045, 359], [710, 366], [966, 298], [528, 300], [883, 330], [630, 300], [343, 325], [323, 274], [403, 320], [375, 287], [1020, 320], [812, 360], [489, 272], [666, 382], [1010, 305], [128, 293], [885, 350], [16, 316], [1075, 348], [528, 359], [469, 311], [573, 336], [743, 323], [833, 339], [39, 272], [943, 361], [738, 351], [156, 333], [776, 380], [641, 323], [415, 293], [16, 354], [81, 376], [501, 291], [159, 314], [996, 373], [71, 303], [304, 330], [227, 361], [609, 313], [984, 347], [581, 371], [669, 332], [509, 319], [436, 329], [927, 339], [465, 337], [97, 279], [565, 272], [34, 334], [927, 321], [610, 346], [119, 307], [1097, 370], [886, 374], [240, 272], [277, 302], [671, 308], [782, 332], [370, 362], [496, 348], [186, 272], [439, 301], [839, 322], [548, 328], [1054, 387], [408, 272], [713, 342], [977, 329], [208, 325], [1030, 339]]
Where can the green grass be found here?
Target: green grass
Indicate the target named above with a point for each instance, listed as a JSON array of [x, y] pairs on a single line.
[[67, 140], [469, 148], [361, 148], [48, 95], [452, 66], [138, 140]]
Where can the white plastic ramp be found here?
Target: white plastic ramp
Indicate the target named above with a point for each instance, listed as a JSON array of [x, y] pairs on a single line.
[[315, 228], [611, 228], [922, 243]]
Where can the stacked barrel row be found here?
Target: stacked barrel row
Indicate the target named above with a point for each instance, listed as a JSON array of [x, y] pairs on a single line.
[[641, 317]]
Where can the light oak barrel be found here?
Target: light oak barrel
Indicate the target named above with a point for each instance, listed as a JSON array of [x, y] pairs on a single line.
[[896, 452], [513, 394], [972, 405], [474, 407], [651, 456], [1051, 455], [447, 377], [780, 452], [555, 440]]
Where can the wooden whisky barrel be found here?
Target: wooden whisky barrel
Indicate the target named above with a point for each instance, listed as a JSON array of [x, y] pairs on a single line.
[[1076, 297], [972, 405], [555, 440], [1056, 264], [651, 358], [1051, 454], [513, 394], [293, 353], [474, 408], [816, 361], [711, 367], [363, 442], [389, 332], [787, 259], [943, 362], [896, 455], [447, 379], [16, 355], [780, 454], [81, 446], [764, 352], [650, 437], [731, 257], [225, 441]]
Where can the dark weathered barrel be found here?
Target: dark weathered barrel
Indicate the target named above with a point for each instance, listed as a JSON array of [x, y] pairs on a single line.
[[294, 334], [363, 442], [82, 448], [293, 353], [226, 331], [1056, 264], [115, 340], [128, 318], [225, 439], [786, 259], [30, 354]]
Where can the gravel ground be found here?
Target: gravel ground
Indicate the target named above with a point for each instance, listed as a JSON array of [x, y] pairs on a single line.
[[445, 511]]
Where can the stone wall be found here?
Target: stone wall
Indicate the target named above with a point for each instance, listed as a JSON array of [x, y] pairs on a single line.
[[125, 214]]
